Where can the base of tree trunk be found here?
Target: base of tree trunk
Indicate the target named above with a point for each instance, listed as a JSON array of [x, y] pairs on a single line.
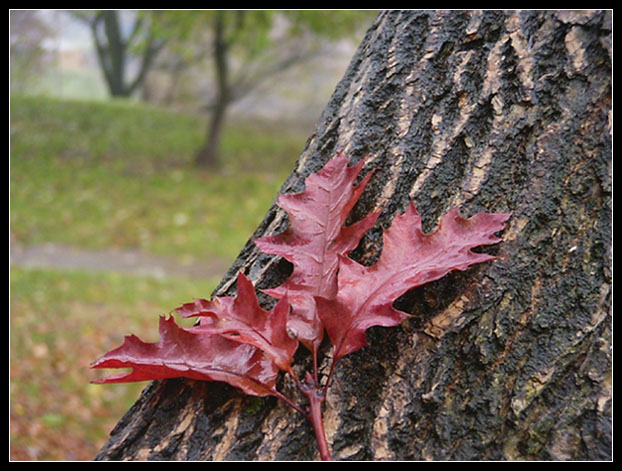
[[206, 158]]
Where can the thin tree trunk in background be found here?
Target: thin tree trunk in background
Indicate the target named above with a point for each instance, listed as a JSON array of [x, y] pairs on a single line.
[[113, 51], [207, 156], [489, 110]]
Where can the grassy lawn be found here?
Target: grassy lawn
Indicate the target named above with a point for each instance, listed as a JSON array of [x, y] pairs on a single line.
[[59, 323], [114, 174], [118, 175]]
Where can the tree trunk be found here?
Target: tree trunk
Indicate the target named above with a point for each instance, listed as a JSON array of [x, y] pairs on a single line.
[[489, 110], [207, 156], [113, 51]]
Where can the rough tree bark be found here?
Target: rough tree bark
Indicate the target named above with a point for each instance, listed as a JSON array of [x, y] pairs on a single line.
[[489, 110]]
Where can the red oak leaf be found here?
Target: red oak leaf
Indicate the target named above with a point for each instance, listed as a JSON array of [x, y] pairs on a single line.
[[241, 319], [316, 237], [409, 259], [191, 353]]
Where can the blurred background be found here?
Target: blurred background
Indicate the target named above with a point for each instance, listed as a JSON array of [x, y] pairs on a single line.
[[145, 148]]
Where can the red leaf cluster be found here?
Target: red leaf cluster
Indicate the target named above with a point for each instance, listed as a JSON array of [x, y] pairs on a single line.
[[238, 342]]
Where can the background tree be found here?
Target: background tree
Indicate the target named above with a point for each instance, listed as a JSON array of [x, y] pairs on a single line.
[[246, 47], [489, 110], [121, 38], [245, 53]]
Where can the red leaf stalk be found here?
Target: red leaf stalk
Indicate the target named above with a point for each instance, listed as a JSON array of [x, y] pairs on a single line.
[[315, 396]]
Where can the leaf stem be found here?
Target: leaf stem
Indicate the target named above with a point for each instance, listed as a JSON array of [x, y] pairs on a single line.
[[314, 415], [330, 376], [315, 374], [289, 402]]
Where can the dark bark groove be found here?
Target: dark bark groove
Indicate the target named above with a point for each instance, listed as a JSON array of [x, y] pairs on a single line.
[[488, 110]]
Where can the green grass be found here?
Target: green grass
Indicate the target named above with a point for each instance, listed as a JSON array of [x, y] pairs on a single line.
[[102, 175], [121, 175], [60, 322]]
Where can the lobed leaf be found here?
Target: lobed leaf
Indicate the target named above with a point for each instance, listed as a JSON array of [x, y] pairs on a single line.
[[409, 259], [242, 320], [191, 353], [315, 239]]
